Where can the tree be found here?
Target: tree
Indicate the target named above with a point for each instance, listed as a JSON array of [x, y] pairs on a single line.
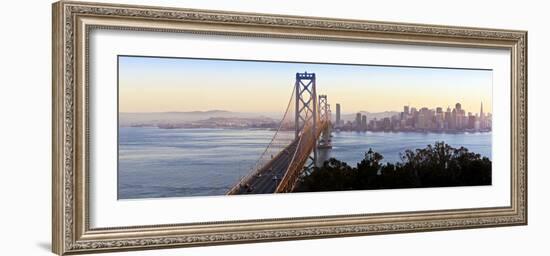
[[334, 175], [439, 165]]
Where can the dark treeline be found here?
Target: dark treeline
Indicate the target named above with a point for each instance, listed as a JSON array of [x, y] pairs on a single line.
[[439, 165]]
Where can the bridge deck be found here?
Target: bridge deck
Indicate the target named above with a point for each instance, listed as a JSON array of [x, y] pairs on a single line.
[[265, 181]]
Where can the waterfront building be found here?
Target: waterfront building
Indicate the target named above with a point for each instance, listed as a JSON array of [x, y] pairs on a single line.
[[482, 124], [338, 116], [447, 118], [364, 122], [386, 124], [414, 116], [471, 121], [425, 117], [358, 121]]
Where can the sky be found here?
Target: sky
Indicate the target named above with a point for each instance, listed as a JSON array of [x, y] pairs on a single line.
[[152, 84]]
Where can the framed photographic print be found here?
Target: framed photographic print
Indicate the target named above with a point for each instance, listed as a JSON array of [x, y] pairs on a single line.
[[179, 127]]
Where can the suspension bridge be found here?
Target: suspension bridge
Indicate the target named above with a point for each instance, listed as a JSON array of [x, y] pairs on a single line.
[[289, 155]]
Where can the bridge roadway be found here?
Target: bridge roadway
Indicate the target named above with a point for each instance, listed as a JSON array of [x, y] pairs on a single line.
[[265, 181]]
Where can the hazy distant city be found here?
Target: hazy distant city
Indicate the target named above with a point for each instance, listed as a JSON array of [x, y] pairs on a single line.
[[411, 119], [423, 119]]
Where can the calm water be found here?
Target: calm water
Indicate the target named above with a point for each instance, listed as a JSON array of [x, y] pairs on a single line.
[[351, 146], [191, 162]]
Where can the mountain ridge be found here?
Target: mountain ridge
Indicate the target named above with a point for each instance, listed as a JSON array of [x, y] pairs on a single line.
[[155, 118]]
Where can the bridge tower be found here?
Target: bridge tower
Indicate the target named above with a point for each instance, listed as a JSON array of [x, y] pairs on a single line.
[[306, 105], [322, 106], [325, 117]]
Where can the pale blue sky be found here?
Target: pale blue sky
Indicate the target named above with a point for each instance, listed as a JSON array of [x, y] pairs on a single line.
[[150, 84]]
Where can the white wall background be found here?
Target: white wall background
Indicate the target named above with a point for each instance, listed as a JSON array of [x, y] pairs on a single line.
[[25, 148]]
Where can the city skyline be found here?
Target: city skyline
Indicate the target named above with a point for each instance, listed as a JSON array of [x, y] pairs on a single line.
[[411, 119], [456, 119], [148, 84], [339, 106]]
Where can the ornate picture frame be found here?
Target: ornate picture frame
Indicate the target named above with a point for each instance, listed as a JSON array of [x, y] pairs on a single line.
[[72, 24]]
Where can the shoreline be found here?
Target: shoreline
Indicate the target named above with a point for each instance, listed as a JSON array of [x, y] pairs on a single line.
[[333, 131]]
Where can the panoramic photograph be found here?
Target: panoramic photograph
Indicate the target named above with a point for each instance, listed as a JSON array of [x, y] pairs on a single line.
[[215, 127]]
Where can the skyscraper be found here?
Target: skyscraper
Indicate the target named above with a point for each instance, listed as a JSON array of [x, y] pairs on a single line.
[[482, 124], [481, 110], [338, 121], [439, 118], [358, 121], [448, 118], [460, 117], [471, 121], [425, 117], [414, 114]]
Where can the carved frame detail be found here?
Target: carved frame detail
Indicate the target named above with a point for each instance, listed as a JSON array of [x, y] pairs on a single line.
[[72, 22]]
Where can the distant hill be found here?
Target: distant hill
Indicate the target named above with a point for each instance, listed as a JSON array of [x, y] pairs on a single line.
[[155, 118]]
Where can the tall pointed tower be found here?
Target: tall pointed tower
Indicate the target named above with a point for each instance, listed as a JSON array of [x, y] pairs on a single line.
[[481, 111], [481, 117]]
